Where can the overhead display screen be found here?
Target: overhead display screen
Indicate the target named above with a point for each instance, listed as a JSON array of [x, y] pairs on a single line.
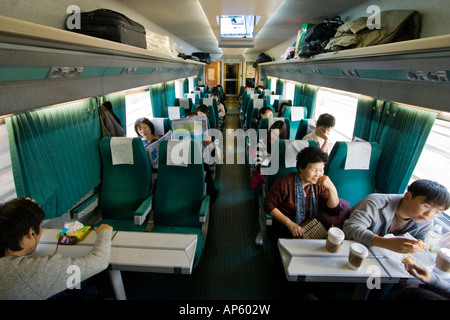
[[237, 26]]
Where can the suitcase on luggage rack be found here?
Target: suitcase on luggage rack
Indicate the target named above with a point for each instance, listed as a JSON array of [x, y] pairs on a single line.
[[114, 26], [203, 57]]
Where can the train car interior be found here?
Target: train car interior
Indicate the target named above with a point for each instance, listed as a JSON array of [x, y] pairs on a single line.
[[70, 99]]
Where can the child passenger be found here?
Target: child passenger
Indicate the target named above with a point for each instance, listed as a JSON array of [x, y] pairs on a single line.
[[29, 277], [379, 214], [324, 124]]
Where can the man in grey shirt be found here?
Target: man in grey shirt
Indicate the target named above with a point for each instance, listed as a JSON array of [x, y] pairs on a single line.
[[28, 277], [379, 214]]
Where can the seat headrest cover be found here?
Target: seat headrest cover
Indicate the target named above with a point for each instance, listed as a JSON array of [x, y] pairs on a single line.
[[178, 152], [358, 156], [297, 113], [158, 123], [185, 103], [293, 147], [121, 150]]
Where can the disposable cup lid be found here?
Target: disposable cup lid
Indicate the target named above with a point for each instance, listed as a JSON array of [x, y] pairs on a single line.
[[336, 233], [444, 253], [359, 249]]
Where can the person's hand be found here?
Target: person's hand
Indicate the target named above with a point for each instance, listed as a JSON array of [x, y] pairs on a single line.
[[103, 227], [295, 229], [403, 245], [419, 271]]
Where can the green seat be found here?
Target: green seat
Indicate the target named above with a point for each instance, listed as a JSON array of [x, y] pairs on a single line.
[[125, 196], [277, 103], [180, 204], [353, 184], [304, 127], [186, 103], [285, 167], [293, 114]]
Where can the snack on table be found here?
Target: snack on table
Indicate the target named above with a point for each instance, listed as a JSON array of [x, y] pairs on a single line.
[[408, 259]]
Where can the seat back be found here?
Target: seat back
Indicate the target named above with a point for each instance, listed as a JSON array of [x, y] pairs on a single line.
[[277, 103], [186, 103], [176, 112], [266, 123], [162, 125], [295, 115], [180, 189], [126, 177], [352, 168], [304, 127]]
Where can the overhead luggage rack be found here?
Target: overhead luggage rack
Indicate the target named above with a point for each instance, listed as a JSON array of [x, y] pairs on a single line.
[[74, 66], [415, 72]]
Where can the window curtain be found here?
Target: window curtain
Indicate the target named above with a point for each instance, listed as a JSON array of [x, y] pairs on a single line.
[[279, 87], [55, 155], [402, 134], [368, 114], [309, 99], [170, 93], [298, 96], [158, 98], [119, 107], [185, 84]]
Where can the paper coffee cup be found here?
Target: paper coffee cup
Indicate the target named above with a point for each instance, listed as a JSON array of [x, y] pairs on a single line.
[[443, 260], [334, 239], [356, 255]]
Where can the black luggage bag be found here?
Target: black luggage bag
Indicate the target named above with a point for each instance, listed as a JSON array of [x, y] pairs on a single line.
[[317, 37], [114, 26], [203, 57]]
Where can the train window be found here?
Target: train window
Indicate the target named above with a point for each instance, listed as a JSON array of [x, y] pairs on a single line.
[[7, 188], [273, 84], [329, 101], [289, 90], [435, 158], [138, 105], [178, 89]]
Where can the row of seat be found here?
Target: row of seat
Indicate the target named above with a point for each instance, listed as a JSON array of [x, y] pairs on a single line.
[[126, 199]]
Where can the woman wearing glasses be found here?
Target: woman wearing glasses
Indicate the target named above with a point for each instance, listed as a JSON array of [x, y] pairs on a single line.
[[380, 214]]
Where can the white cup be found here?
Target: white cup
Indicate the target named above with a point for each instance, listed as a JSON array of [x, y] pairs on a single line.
[[356, 255], [334, 240], [443, 260]]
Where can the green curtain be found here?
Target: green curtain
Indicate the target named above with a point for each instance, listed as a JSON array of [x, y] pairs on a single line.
[[402, 134], [368, 115], [280, 87], [170, 93], [298, 96], [185, 86], [159, 101], [55, 154], [309, 99]]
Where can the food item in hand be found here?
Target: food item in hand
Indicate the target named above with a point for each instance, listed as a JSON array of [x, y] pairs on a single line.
[[408, 259], [421, 245]]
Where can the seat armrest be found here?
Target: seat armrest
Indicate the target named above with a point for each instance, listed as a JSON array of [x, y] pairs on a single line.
[[141, 213], [85, 207], [204, 209], [268, 218]]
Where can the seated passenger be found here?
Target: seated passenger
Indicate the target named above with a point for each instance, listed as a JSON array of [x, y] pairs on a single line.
[[203, 109], [379, 214], [220, 106], [277, 131], [24, 276], [146, 131], [296, 197], [324, 124], [282, 108], [264, 112]]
